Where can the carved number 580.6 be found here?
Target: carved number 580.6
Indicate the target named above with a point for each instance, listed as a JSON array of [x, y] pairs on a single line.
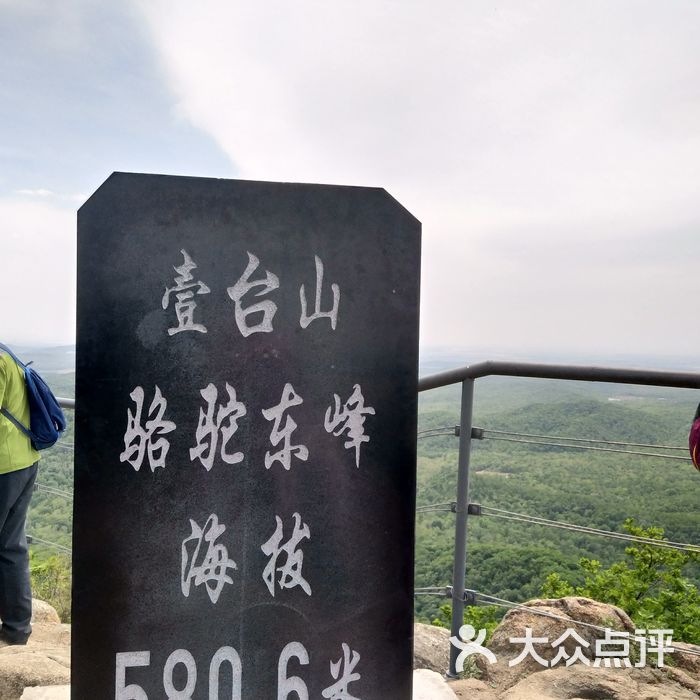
[[286, 684], [134, 659]]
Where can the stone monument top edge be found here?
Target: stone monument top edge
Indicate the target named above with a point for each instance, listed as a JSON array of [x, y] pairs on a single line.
[[117, 178]]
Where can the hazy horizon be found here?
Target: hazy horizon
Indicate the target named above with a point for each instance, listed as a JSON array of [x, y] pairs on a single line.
[[438, 357]]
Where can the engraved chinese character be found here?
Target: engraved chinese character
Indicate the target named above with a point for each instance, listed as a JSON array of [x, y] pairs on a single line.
[[209, 568], [215, 424], [350, 419], [290, 571], [140, 441], [276, 413], [343, 672], [185, 289], [332, 315], [268, 308]]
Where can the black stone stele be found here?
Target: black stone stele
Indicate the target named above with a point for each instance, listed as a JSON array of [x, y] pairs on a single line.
[[245, 441]]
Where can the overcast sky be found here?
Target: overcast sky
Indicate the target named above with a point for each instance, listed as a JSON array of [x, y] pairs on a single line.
[[551, 149]]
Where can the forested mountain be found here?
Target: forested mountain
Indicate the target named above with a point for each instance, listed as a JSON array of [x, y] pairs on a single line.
[[507, 558], [511, 559]]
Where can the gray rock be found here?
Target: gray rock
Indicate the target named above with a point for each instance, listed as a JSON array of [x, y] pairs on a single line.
[[43, 612], [431, 647], [47, 692], [23, 666], [579, 681], [473, 689], [688, 662], [429, 685], [44, 661], [570, 610]]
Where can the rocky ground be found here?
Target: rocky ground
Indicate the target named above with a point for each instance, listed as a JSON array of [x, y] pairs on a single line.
[[45, 661], [531, 681], [41, 670]]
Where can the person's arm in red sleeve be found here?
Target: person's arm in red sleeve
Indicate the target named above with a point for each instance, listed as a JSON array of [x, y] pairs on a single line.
[[694, 440]]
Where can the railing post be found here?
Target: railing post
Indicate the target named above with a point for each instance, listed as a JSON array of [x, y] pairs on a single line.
[[460, 555]]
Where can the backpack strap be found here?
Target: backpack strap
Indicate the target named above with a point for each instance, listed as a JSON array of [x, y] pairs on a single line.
[[3, 410], [17, 424], [12, 355]]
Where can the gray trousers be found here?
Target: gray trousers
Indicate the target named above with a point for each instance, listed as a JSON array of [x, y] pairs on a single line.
[[15, 591]]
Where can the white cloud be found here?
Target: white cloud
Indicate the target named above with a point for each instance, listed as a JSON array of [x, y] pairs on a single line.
[[38, 279], [518, 132], [36, 193]]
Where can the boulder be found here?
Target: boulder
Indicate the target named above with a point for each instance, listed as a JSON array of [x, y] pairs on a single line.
[[579, 681], [473, 689], [529, 680], [50, 635], [568, 612], [429, 685], [23, 666], [431, 647], [47, 692], [44, 661], [43, 612], [688, 662], [684, 679]]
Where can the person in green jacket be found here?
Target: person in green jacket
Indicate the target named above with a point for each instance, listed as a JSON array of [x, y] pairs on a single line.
[[18, 468]]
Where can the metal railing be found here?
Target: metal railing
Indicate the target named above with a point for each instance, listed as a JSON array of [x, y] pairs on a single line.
[[54, 492], [466, 376]]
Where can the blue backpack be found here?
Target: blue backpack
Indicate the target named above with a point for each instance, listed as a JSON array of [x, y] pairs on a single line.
[[46, 419]]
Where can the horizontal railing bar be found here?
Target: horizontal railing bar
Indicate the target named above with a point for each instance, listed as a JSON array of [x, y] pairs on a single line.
[[581, 373]]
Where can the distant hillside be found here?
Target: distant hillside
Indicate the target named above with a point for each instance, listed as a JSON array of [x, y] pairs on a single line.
[[593, 419], [510, 559], [49, 360]]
